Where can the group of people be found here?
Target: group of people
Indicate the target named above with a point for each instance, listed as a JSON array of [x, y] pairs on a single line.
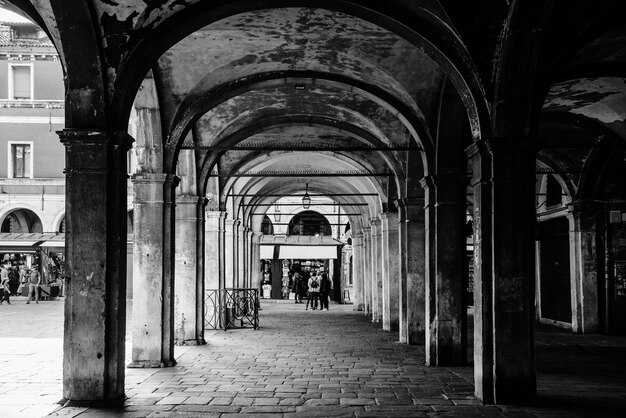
[[8, 277], [316, 288]]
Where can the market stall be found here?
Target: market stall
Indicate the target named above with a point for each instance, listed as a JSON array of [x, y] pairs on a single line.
[[280, 255]]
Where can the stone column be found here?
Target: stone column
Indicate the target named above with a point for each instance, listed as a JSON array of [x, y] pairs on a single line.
[[483, 314], [367, 271], [221, 247], [152, 342], [229, 253], [357, 271], [211, 250], [95, 303], [446, 344], [391, 271], [412, 242], [514, 218], [512, 257], [583, 267], [186, 268], [241, 259], [246, 254], [376, 271], [255, 260]]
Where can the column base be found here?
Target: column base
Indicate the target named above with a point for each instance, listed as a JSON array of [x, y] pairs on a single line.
[[189, 342], [151, 364], [100, 404]]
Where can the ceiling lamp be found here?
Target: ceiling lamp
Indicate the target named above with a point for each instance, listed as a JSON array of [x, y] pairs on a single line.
[[276, 213], [306, 200]]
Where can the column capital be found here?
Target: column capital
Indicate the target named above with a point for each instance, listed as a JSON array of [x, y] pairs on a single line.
[[188, 199], [389, 221], [214, 214], [410, 208], [357, 235], [410, 201], [476, 149], [580, 206], [91, 137], [148, 178]]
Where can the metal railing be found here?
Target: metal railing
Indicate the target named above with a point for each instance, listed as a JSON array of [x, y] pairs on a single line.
[[231, 308]]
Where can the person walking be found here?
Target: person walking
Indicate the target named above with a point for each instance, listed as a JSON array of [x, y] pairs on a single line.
[[325, 288], [297, 287], [23, 279], [34, 280], [314, 290], [4, 286]]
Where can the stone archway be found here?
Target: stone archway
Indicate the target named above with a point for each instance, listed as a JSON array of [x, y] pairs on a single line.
[[21, 221], [309, 222]]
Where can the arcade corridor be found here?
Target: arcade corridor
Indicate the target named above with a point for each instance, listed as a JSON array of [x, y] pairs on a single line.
[[442, 154]]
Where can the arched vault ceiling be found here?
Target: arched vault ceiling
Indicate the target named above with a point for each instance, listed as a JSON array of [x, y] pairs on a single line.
[[290, 161], [246, 109], [296, 39], [600, 98]]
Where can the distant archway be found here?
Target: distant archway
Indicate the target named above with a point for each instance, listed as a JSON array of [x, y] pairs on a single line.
[[21, 221], [267, 228], [309, 223]]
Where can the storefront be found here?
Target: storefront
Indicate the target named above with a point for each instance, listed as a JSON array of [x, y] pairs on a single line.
[[281, 255], [24, 250]]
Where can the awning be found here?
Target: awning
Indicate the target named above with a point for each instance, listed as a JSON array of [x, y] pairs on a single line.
[[27, 242], [53, 243], [267, 252], [9, 243], [308, 252]]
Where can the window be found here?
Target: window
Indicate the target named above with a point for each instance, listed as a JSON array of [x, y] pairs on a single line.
[[20, 160], [20, 82], [553, 191], [25, 32]]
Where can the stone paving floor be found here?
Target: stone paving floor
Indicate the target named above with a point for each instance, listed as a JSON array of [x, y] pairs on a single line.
[[299, 363]]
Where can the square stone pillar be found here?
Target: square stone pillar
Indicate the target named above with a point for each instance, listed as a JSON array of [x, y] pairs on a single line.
[[377, 277], [483, 313], [514, 219], [391, 271], [246, 257], [367, 271], [357, 271], [95, 287], [446, 342], [255, 260], [230, 253], [186, 289], [241, 257], [200, 279], [211, 249], [222, 249], [412, 275], [153, 326], [511, 364], [583, 267]]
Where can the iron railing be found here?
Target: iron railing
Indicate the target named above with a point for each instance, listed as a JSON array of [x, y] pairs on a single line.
[[231, 308]]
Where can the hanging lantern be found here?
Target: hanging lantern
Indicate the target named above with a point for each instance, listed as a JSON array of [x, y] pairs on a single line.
[[306, 200], [276, 213]]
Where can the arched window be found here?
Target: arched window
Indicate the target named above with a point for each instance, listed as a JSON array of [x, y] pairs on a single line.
[[553, 191]]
